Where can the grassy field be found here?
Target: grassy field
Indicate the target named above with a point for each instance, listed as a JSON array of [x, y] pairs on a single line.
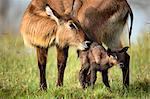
[[19, 74]]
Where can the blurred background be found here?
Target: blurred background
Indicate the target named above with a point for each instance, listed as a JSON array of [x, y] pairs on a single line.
[[11, 12]]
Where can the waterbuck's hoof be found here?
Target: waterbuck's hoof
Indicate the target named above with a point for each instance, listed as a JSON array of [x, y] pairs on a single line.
[[59, 84], [109, 89], [43, 87], [83, 87]]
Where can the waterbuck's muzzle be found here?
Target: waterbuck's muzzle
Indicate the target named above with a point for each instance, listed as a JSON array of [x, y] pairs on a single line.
[[85, 45], [121, 65]]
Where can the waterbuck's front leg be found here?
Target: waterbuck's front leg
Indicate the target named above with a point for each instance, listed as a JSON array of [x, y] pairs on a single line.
[[125, 70], [42, 59], [62, 54]]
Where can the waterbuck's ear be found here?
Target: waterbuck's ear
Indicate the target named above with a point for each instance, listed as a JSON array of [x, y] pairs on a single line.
[[124, 49], [109, 51], [53, 14]]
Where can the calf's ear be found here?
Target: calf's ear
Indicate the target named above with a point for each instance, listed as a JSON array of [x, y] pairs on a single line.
[[125, 49]]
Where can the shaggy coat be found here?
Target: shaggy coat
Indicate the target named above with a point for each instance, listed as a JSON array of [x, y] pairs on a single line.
[[93, 60], [43, 28]]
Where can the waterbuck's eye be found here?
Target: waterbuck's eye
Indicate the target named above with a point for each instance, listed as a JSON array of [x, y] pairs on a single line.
[[73, 26]]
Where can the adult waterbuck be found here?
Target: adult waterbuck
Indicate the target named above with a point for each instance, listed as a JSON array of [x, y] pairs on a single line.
[[42, 27]]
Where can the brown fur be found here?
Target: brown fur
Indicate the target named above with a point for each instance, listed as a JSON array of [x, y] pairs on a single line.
[[38, 29], [103, 20], [96, 54], [96, 59]]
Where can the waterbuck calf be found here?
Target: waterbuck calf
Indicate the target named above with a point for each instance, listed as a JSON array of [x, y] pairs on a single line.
[[42, 27], [97, 58]]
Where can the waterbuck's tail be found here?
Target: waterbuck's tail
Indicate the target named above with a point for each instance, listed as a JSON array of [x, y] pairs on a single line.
[[131, 17]]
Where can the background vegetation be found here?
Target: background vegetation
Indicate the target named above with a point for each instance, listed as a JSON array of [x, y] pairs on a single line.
[[19, 74]]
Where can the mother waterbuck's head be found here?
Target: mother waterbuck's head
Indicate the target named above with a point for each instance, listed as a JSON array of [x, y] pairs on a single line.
[[69, 31]]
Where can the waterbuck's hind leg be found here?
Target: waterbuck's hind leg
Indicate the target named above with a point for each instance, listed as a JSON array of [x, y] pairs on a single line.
[[105, 78], [62, 55], [125, 70], [42, 59]]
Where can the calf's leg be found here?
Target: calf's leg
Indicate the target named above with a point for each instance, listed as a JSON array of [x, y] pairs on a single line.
[[93, 71], [62, 54], [83, 73], [42, 59]]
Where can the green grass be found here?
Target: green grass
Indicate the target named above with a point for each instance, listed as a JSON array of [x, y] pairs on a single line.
[[19, 74]]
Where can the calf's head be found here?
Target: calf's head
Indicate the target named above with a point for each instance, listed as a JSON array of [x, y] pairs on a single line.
[[69, 31], [120, 54]]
